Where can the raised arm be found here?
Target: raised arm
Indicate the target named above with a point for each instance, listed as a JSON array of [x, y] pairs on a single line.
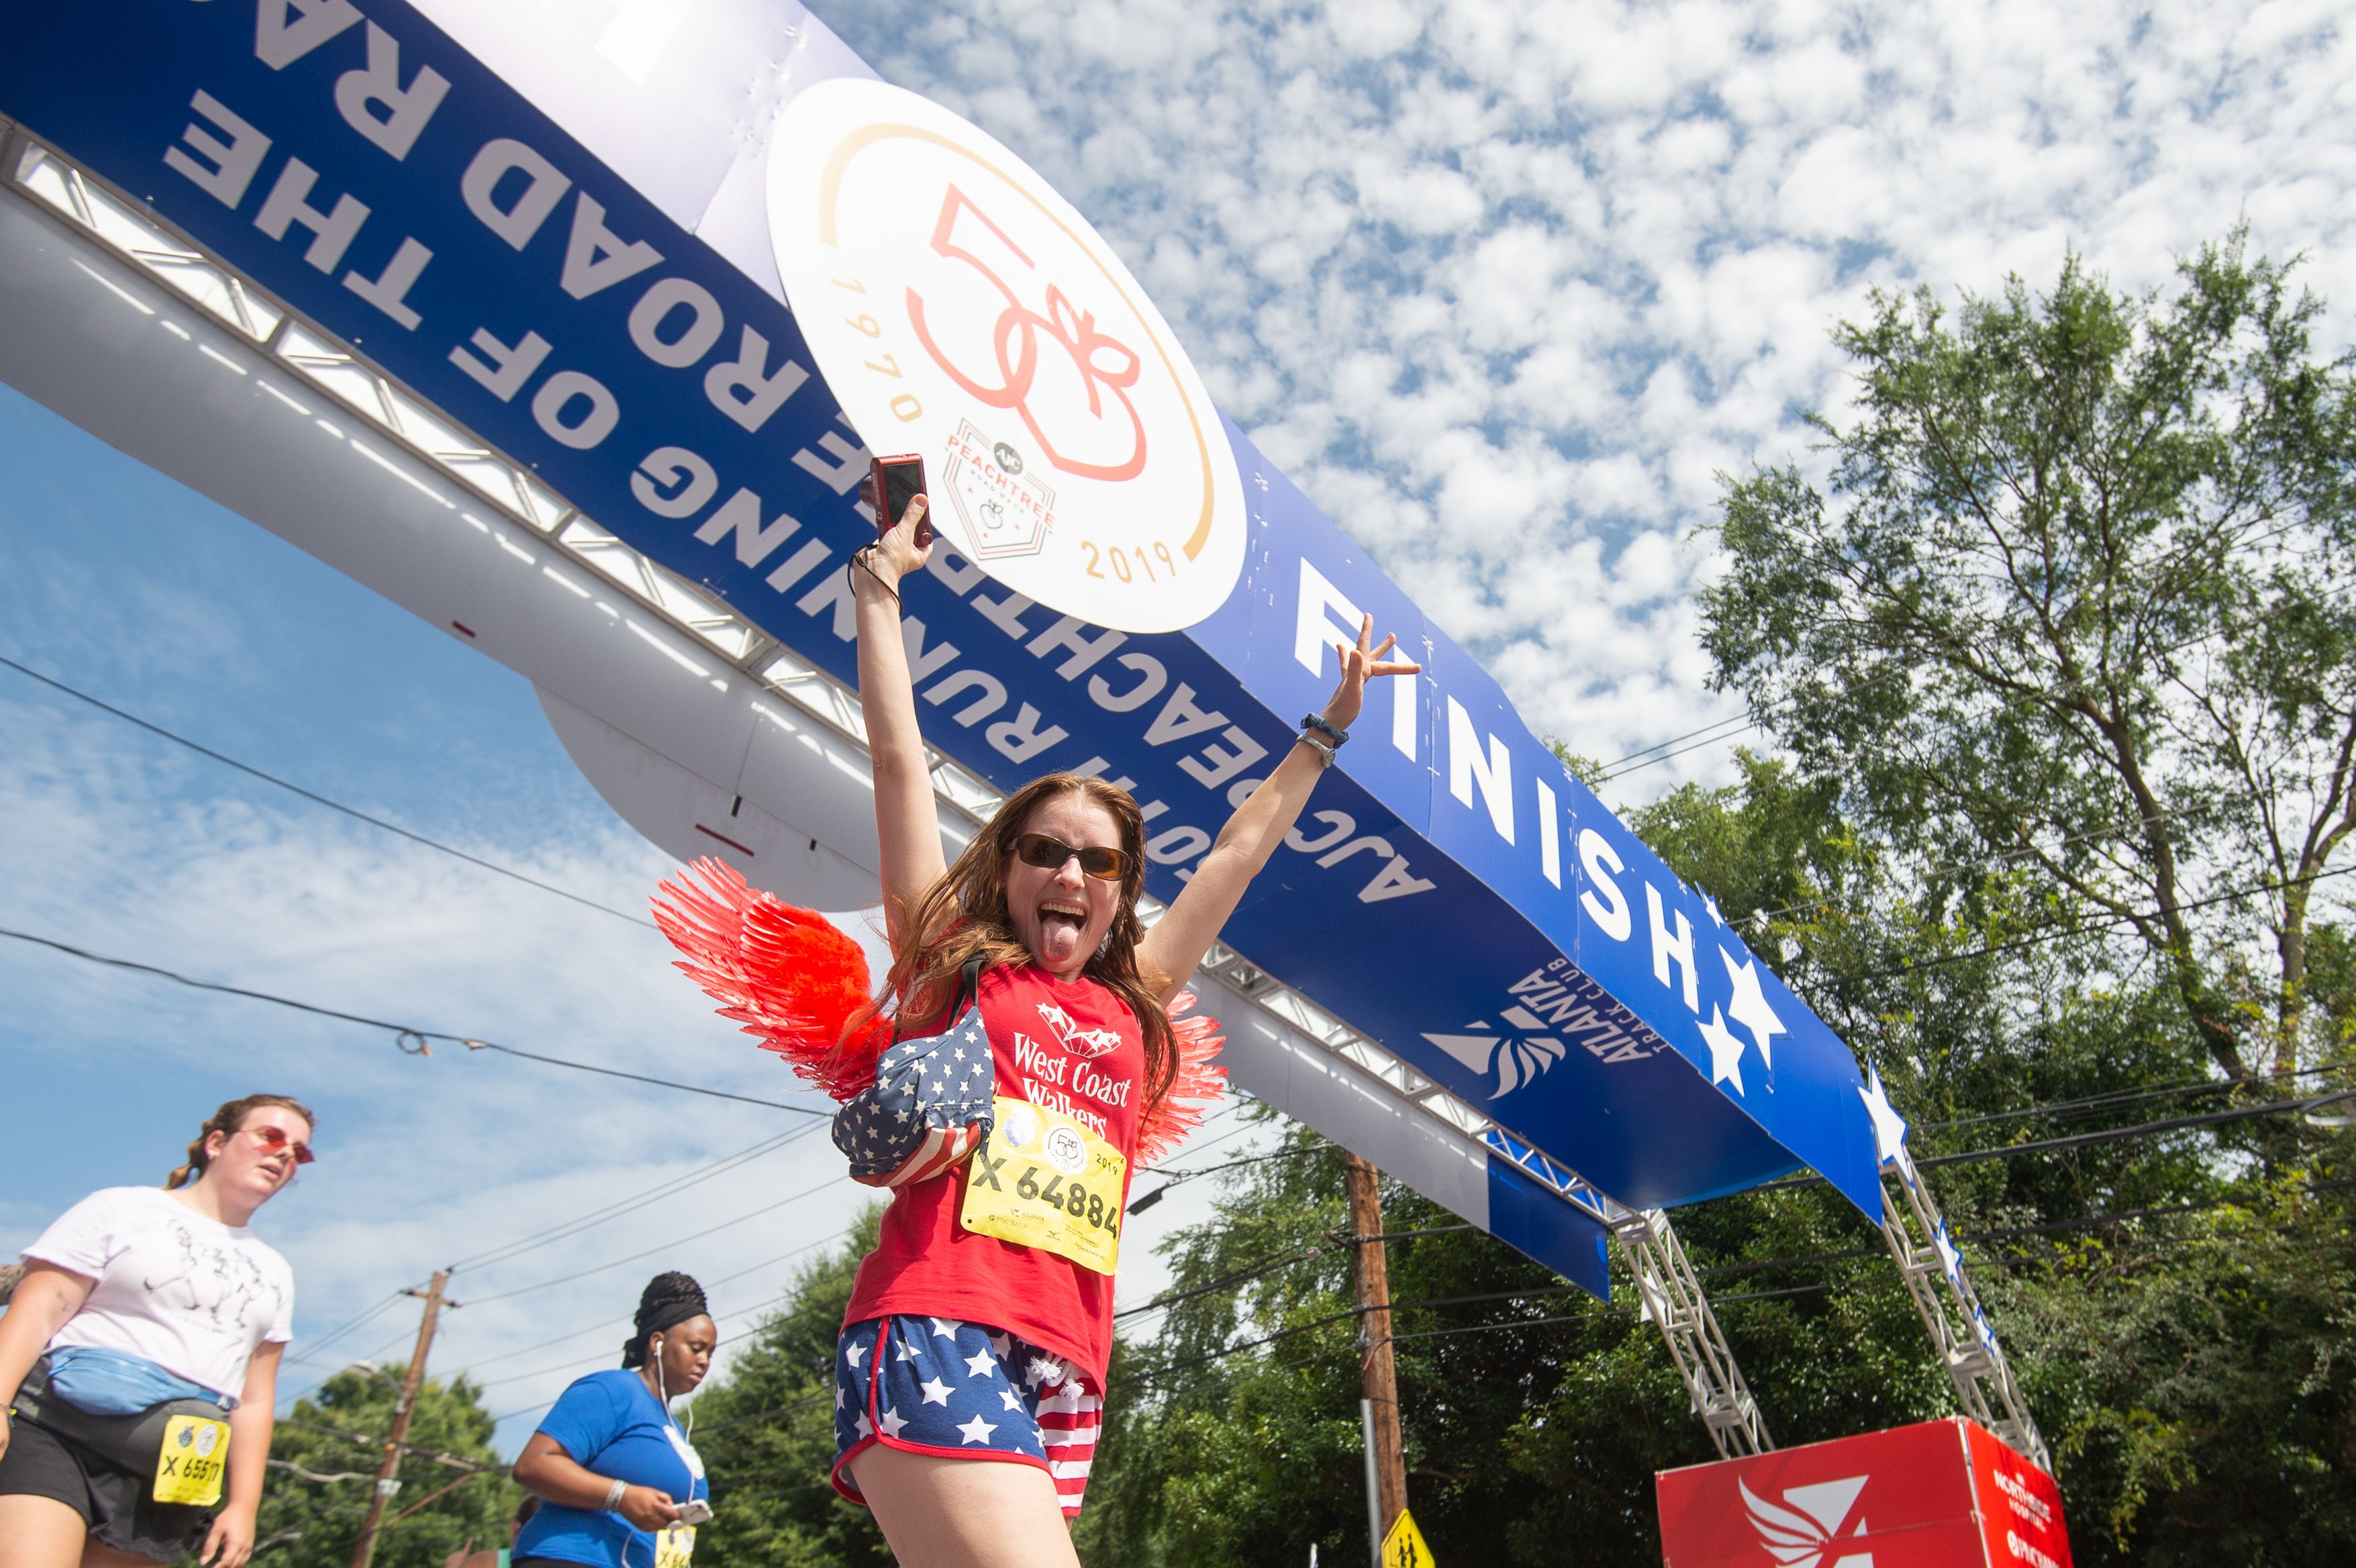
[[907, 819], [1183, 934]]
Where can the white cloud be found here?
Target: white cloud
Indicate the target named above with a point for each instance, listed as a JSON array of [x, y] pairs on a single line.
[[1589, 255]]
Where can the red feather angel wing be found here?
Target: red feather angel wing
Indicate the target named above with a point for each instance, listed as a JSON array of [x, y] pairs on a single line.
[[798, 984], [1199, 1086]]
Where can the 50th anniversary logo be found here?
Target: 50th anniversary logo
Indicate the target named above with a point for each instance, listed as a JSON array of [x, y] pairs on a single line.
[[960, 309]]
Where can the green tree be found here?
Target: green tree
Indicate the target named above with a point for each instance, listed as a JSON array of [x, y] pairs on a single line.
[[2153, 1348], [2076, 602], [323, 1459]]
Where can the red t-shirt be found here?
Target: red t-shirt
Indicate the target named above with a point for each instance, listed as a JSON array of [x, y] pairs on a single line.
[[1073, 1046]]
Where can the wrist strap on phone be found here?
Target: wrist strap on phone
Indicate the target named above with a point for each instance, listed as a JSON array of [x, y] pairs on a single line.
[[861, 557], [614, 1495]]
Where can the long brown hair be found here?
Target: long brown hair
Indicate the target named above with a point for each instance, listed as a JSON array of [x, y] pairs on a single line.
[[965, 915], [231, 1118]]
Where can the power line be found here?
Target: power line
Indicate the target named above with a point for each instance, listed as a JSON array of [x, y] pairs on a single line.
[[665, 1247], [387, 1304], [613, 1322], [402, 1032], [662, 1189], [2098, 1102], [1620, 773], [320, 800], [1647, 751], [2116, 830], [2053, 930], [1174, 1177]]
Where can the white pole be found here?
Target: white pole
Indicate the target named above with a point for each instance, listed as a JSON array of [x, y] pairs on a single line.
[[1374, 1491]]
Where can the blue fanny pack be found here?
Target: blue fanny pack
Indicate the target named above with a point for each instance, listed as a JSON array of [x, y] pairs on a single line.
[[109, 1383]]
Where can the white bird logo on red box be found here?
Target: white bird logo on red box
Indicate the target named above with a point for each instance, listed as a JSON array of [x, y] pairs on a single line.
[[1808, 1533]]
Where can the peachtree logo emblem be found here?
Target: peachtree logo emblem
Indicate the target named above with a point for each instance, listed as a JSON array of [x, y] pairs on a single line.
[[960, 309], [1807, 1533]]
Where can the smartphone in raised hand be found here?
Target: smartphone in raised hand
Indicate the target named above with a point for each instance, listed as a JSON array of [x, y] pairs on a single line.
[[891, 484]]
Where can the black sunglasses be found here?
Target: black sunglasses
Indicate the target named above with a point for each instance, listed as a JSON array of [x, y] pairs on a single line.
[[1049, 855]]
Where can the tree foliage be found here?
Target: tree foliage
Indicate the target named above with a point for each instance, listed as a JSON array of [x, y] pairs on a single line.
[[338, 1432], [2077, 603], [2061, 663]]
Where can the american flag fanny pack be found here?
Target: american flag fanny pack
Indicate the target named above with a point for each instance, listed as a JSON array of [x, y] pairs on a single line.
[[930, 1104]]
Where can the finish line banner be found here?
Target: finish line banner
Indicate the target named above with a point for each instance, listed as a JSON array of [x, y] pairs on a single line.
[[580, 239]]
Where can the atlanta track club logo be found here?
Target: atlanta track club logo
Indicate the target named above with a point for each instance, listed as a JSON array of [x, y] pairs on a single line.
[[1813, 1524], [960, 309]]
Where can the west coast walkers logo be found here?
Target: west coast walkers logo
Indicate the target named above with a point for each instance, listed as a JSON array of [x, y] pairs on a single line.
[[961, 309]]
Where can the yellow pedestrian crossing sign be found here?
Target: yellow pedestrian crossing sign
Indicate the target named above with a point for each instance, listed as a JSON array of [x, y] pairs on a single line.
[[1404, 1546]]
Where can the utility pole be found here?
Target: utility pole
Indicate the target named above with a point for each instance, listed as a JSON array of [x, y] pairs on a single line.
[[385, 1483], [1386, 1467]]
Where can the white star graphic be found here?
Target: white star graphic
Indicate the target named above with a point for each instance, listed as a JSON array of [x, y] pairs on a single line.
[[1725, 1050], [980, 1364], [852, 1353], [903, 1351], [1001, 1344], [1889, 1127], [1014, 1401], [1710, 903], [892, 1422], [866, 1428], [946, 1328], [977, 1430], [1750, 1007], [1950, 1258], [937, 1392]]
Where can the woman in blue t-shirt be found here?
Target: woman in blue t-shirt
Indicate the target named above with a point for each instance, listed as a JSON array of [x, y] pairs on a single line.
[[621, 1487]]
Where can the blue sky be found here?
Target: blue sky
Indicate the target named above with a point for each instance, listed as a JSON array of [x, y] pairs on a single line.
[[1502, 287], [128, 586]]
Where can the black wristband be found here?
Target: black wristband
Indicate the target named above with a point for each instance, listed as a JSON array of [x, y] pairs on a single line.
[[1324, 726]]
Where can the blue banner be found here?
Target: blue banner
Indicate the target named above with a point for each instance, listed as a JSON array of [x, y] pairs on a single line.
[[1452, 893]]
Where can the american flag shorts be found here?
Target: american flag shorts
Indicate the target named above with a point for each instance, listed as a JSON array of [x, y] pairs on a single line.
[[941, 1386]]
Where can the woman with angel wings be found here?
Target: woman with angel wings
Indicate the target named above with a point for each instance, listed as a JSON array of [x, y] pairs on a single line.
[[1023, 1059]]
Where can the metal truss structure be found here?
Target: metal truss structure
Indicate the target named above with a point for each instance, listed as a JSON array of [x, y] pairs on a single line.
[[1673, 1299], [1933, 1270]]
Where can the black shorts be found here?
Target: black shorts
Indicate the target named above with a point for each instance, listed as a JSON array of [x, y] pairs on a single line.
[[117, 1506]]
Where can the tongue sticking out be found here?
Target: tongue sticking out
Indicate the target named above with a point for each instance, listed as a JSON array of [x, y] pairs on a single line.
[[1059, 938]]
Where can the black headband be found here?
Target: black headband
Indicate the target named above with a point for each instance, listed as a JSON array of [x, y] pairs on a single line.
[[669, 1314]]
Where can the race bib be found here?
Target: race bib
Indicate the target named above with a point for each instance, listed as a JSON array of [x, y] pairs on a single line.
[[674, 1545], [194, 1457], [1046, 1181]]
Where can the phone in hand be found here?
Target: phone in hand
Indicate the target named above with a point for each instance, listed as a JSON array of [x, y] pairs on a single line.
[[695, 1511], [891, 484]]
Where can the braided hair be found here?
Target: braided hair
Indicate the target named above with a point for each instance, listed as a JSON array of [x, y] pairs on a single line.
[[669, 1298], [229, 1118]]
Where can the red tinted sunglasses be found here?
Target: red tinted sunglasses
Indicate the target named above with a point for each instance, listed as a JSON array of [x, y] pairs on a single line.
[[1049, 855], [274, 1139]]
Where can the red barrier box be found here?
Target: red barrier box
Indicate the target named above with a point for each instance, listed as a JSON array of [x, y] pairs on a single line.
[[1942, 1494]]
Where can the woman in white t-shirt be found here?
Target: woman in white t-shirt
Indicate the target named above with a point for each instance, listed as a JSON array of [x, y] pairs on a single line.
[[146, 1333]]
